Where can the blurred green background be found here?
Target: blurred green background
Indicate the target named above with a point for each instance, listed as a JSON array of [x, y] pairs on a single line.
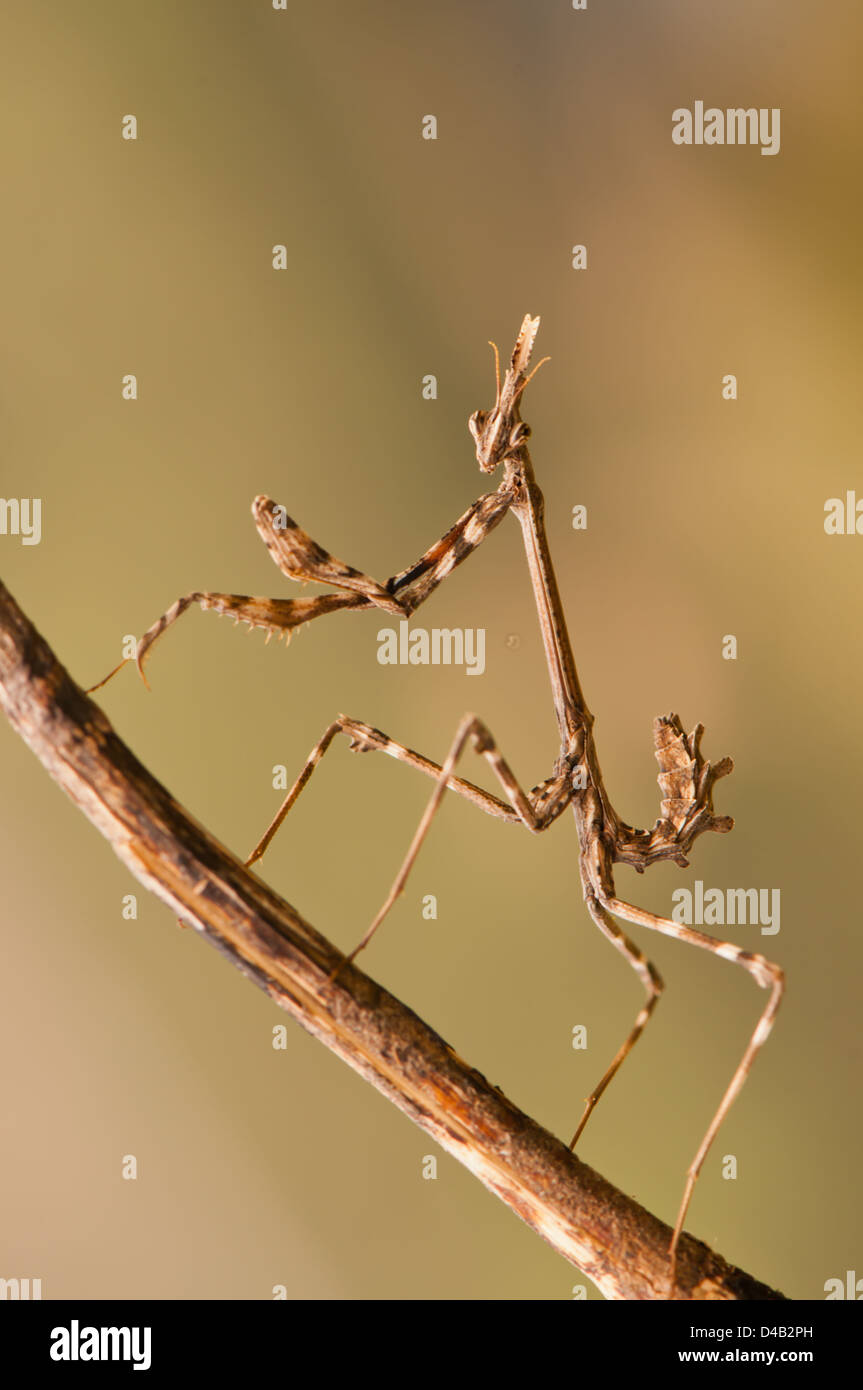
[[259, 127]]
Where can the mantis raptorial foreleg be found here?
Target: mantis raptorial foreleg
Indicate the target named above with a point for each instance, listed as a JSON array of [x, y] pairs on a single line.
[[302, 559]]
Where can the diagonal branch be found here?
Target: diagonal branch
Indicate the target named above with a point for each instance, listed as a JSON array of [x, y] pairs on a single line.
[[619, 1245]]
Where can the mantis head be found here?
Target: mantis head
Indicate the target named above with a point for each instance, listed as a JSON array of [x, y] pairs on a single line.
[[500, 432]]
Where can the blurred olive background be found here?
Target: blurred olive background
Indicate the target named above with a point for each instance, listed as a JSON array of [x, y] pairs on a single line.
[[260, 1167]]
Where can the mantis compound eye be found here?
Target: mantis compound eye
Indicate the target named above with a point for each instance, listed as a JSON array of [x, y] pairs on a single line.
[[518, 434], [476, 423]]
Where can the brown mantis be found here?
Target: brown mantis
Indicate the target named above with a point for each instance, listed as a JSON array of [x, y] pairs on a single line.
[[686, 778]]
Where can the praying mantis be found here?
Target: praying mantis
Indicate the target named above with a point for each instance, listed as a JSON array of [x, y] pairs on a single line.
[[686, 778]]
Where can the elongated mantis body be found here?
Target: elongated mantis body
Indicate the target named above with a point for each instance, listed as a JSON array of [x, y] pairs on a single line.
[[685, 777]]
